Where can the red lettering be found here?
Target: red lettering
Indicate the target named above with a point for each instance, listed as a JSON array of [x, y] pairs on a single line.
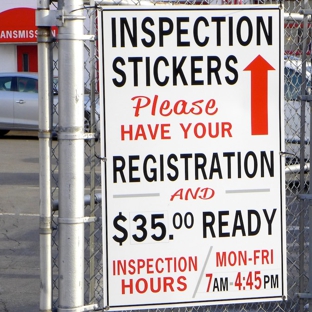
[[207, 193], [124, 132], [124, 286], [153, 284], [153, 289], [165, 132], [141, 265], [200, 193], [166, 107], [178, 193], [140, 133], [149, 266], [181, 280], [200, 130], [139, 104], [185, 130], [144, 283], [168, 283], [211, 105], [211, 130], [193, 109], [189, 191], [144, 132], [153, 133]]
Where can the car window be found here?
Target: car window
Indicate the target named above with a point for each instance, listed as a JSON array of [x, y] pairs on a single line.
[[25, 84], [292, 84], [6, 83]]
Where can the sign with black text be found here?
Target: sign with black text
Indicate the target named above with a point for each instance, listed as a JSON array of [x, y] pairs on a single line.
[[192, 130]]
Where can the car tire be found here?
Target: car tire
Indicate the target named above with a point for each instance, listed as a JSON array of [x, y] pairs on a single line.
[[3, 132]]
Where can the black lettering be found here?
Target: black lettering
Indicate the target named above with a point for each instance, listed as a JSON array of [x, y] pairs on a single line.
[[195, 31], [200, 166], [114, 33], [267, 32], [218, 21], [181, 31], [119, 71], [255, 164], [238, 224], [269, 220], [239, 31], [195, 70], [254, 232], [133, 168], [135, 61], [230, 31], [231, 69], [148, 71], [132, 35], [186, 157], [229, 166], [215, 166], [208, 224], [223, 224], [119, 168], [153, 178], [173, 167], [177, 71], [270, 167], [149, 32], [162, 31], [156, 76], [213, 70]]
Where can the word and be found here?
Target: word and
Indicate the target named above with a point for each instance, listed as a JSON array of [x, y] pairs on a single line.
[[203, 193]]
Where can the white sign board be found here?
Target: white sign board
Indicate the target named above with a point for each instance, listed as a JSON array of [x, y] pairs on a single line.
[[194, 209]]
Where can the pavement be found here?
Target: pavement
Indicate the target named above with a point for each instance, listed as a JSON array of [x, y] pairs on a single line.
[[19, 222]]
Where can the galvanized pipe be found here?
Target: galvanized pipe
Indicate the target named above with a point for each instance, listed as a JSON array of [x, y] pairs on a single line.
[[302, 159], [71, 156], [92, 157], [45, 99]]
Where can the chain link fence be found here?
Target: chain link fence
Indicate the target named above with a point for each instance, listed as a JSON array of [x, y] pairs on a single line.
[[297, 37]]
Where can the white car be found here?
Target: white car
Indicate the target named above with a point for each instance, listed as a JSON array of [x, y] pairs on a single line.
[[19, 103], [292, 109]]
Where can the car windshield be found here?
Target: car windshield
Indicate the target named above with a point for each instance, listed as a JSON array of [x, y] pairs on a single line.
[[293, 83]]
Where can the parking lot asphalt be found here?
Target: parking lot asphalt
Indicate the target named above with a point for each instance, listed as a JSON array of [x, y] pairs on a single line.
[[19, 222]]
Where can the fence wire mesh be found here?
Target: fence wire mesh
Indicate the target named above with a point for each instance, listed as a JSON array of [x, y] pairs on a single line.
[[296, 153]]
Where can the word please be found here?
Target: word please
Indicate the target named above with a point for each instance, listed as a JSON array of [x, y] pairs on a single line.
[[166, 108]]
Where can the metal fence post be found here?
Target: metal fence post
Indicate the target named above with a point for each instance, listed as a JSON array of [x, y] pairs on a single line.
[[71, 156], [45, 137], [92, 160]]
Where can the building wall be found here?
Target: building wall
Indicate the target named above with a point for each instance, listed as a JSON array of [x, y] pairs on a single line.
[[8, 58]]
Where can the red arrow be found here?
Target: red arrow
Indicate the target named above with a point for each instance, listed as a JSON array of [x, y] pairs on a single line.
[[259, 68]]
